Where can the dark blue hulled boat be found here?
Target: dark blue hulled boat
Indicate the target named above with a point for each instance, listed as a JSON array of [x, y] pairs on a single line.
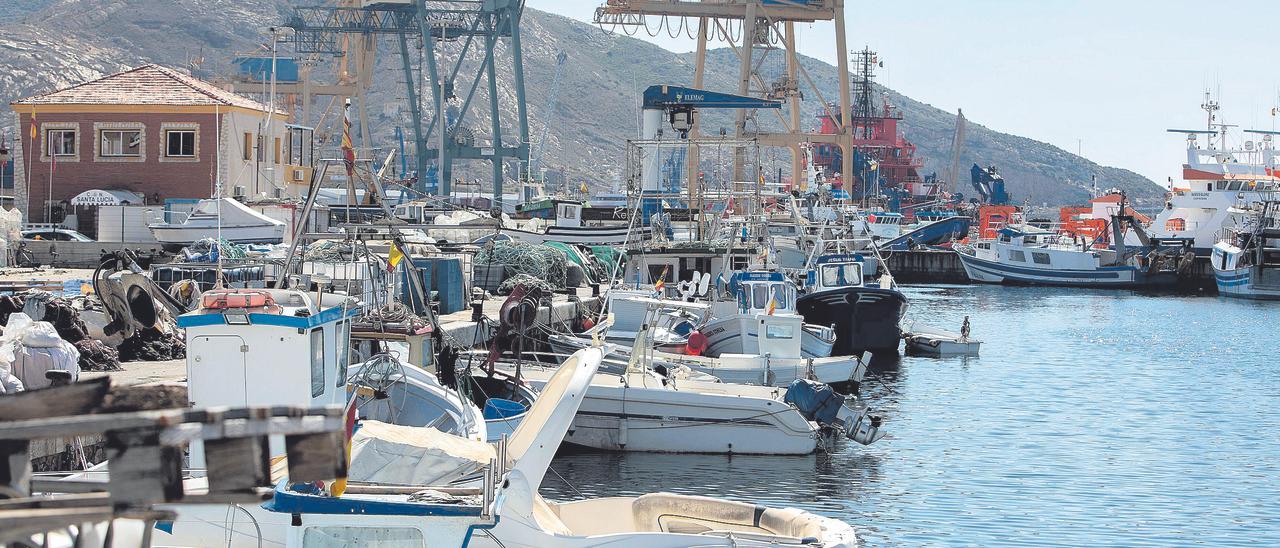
[[865, 316]]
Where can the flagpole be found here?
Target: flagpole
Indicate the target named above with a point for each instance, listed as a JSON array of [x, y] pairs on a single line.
[[27, 213], [48, 199]]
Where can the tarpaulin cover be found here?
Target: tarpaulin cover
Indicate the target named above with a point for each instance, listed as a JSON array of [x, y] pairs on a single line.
[[404, 455], [815, 400]]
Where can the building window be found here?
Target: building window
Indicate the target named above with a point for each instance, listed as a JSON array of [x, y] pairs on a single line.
[[120, 143], [317, 362], [277, 150], [180, 143], [248, 147], [62, 142]]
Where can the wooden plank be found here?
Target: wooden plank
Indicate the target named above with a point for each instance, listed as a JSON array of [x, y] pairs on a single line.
[[58, 401]]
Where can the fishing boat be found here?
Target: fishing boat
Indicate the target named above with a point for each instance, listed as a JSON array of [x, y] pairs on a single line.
[[243, 349], [1031, 255], [762, 309], [219, 217], [644, 410], [504, 510], [1246, 263], [759, 369], [1221, 185], [865, 316], [558, 220]]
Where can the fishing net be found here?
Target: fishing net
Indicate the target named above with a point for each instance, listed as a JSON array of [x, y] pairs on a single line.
[[545, 264], [334, 251], [152, 345], [96, 356], [207, 250], [526, 280]]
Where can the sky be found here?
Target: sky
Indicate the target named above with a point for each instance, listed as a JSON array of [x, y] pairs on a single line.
[[1105, 78]]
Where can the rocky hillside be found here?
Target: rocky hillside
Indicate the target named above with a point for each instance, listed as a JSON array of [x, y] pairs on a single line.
[[45, 44]]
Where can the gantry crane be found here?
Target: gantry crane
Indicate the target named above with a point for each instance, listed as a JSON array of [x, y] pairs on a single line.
[[473, 29], [765, 25]]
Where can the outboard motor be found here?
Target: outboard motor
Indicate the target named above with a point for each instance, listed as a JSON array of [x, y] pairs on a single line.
[[820, 403]]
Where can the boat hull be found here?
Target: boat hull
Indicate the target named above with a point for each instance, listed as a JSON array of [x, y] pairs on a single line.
[[622, 418], [864, 318], [1244, 283], [586, 235], [986, 271], [180, 236]]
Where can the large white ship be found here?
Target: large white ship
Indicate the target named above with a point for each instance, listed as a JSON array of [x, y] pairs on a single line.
[[1219, 185]]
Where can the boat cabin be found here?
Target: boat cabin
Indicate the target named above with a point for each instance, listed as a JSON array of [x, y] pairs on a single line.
[[835, 271], [565, 213], [267, 347], [763, 293]]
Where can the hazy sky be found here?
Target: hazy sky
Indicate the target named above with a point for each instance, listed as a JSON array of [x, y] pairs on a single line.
[[1108, 77]]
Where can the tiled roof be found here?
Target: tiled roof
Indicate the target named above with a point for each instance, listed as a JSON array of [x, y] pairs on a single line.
[[144, 85]]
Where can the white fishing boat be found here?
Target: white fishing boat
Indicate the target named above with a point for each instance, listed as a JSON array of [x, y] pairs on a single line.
[[758, 369], [1246, 263], [506, 510], [1221, 184], [1030, 255], [288, 347], [644, 410], [220, 217], [759, 300]]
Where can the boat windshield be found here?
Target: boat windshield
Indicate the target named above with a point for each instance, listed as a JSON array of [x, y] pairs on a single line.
[[780, 295], [840, 275], [759, 295]]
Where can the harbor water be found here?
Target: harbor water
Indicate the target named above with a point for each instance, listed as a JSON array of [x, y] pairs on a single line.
[[1091, 417]]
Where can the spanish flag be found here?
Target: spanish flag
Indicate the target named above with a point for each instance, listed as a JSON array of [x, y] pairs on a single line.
[[662, 280], [394, 257]]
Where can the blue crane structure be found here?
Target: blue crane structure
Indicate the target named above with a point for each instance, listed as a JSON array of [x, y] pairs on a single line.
[[679, 106], [535, 159], [989, 184], [475, 28]]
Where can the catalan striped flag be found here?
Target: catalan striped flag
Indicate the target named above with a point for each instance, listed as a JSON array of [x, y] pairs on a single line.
[[34, 131]]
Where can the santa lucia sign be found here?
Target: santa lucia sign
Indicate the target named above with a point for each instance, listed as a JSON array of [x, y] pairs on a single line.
[[98, 197]]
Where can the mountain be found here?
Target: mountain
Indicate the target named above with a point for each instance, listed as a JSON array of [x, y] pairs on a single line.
[[47, 44]]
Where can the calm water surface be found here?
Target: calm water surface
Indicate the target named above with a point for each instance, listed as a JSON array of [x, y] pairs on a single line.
[[1092, 417]]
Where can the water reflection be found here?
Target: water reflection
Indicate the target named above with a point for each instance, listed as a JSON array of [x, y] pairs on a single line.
[[1090, 417]]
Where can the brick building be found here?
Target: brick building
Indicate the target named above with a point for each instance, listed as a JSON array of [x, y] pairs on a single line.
[[157, 133]]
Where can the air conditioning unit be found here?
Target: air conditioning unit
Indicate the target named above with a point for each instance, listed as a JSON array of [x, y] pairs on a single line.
[[299, 175], [238, 192]]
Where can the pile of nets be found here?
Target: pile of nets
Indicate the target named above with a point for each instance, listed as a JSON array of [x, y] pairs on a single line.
[[332, 251], [151, 344], [526, 280], [207, 250], [96, 356], [546, 264]]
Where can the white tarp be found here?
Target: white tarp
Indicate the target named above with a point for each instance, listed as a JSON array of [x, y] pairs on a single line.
[[408, 455]]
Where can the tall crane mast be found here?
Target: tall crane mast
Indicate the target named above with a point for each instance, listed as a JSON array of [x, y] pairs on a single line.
[[535, 158]]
